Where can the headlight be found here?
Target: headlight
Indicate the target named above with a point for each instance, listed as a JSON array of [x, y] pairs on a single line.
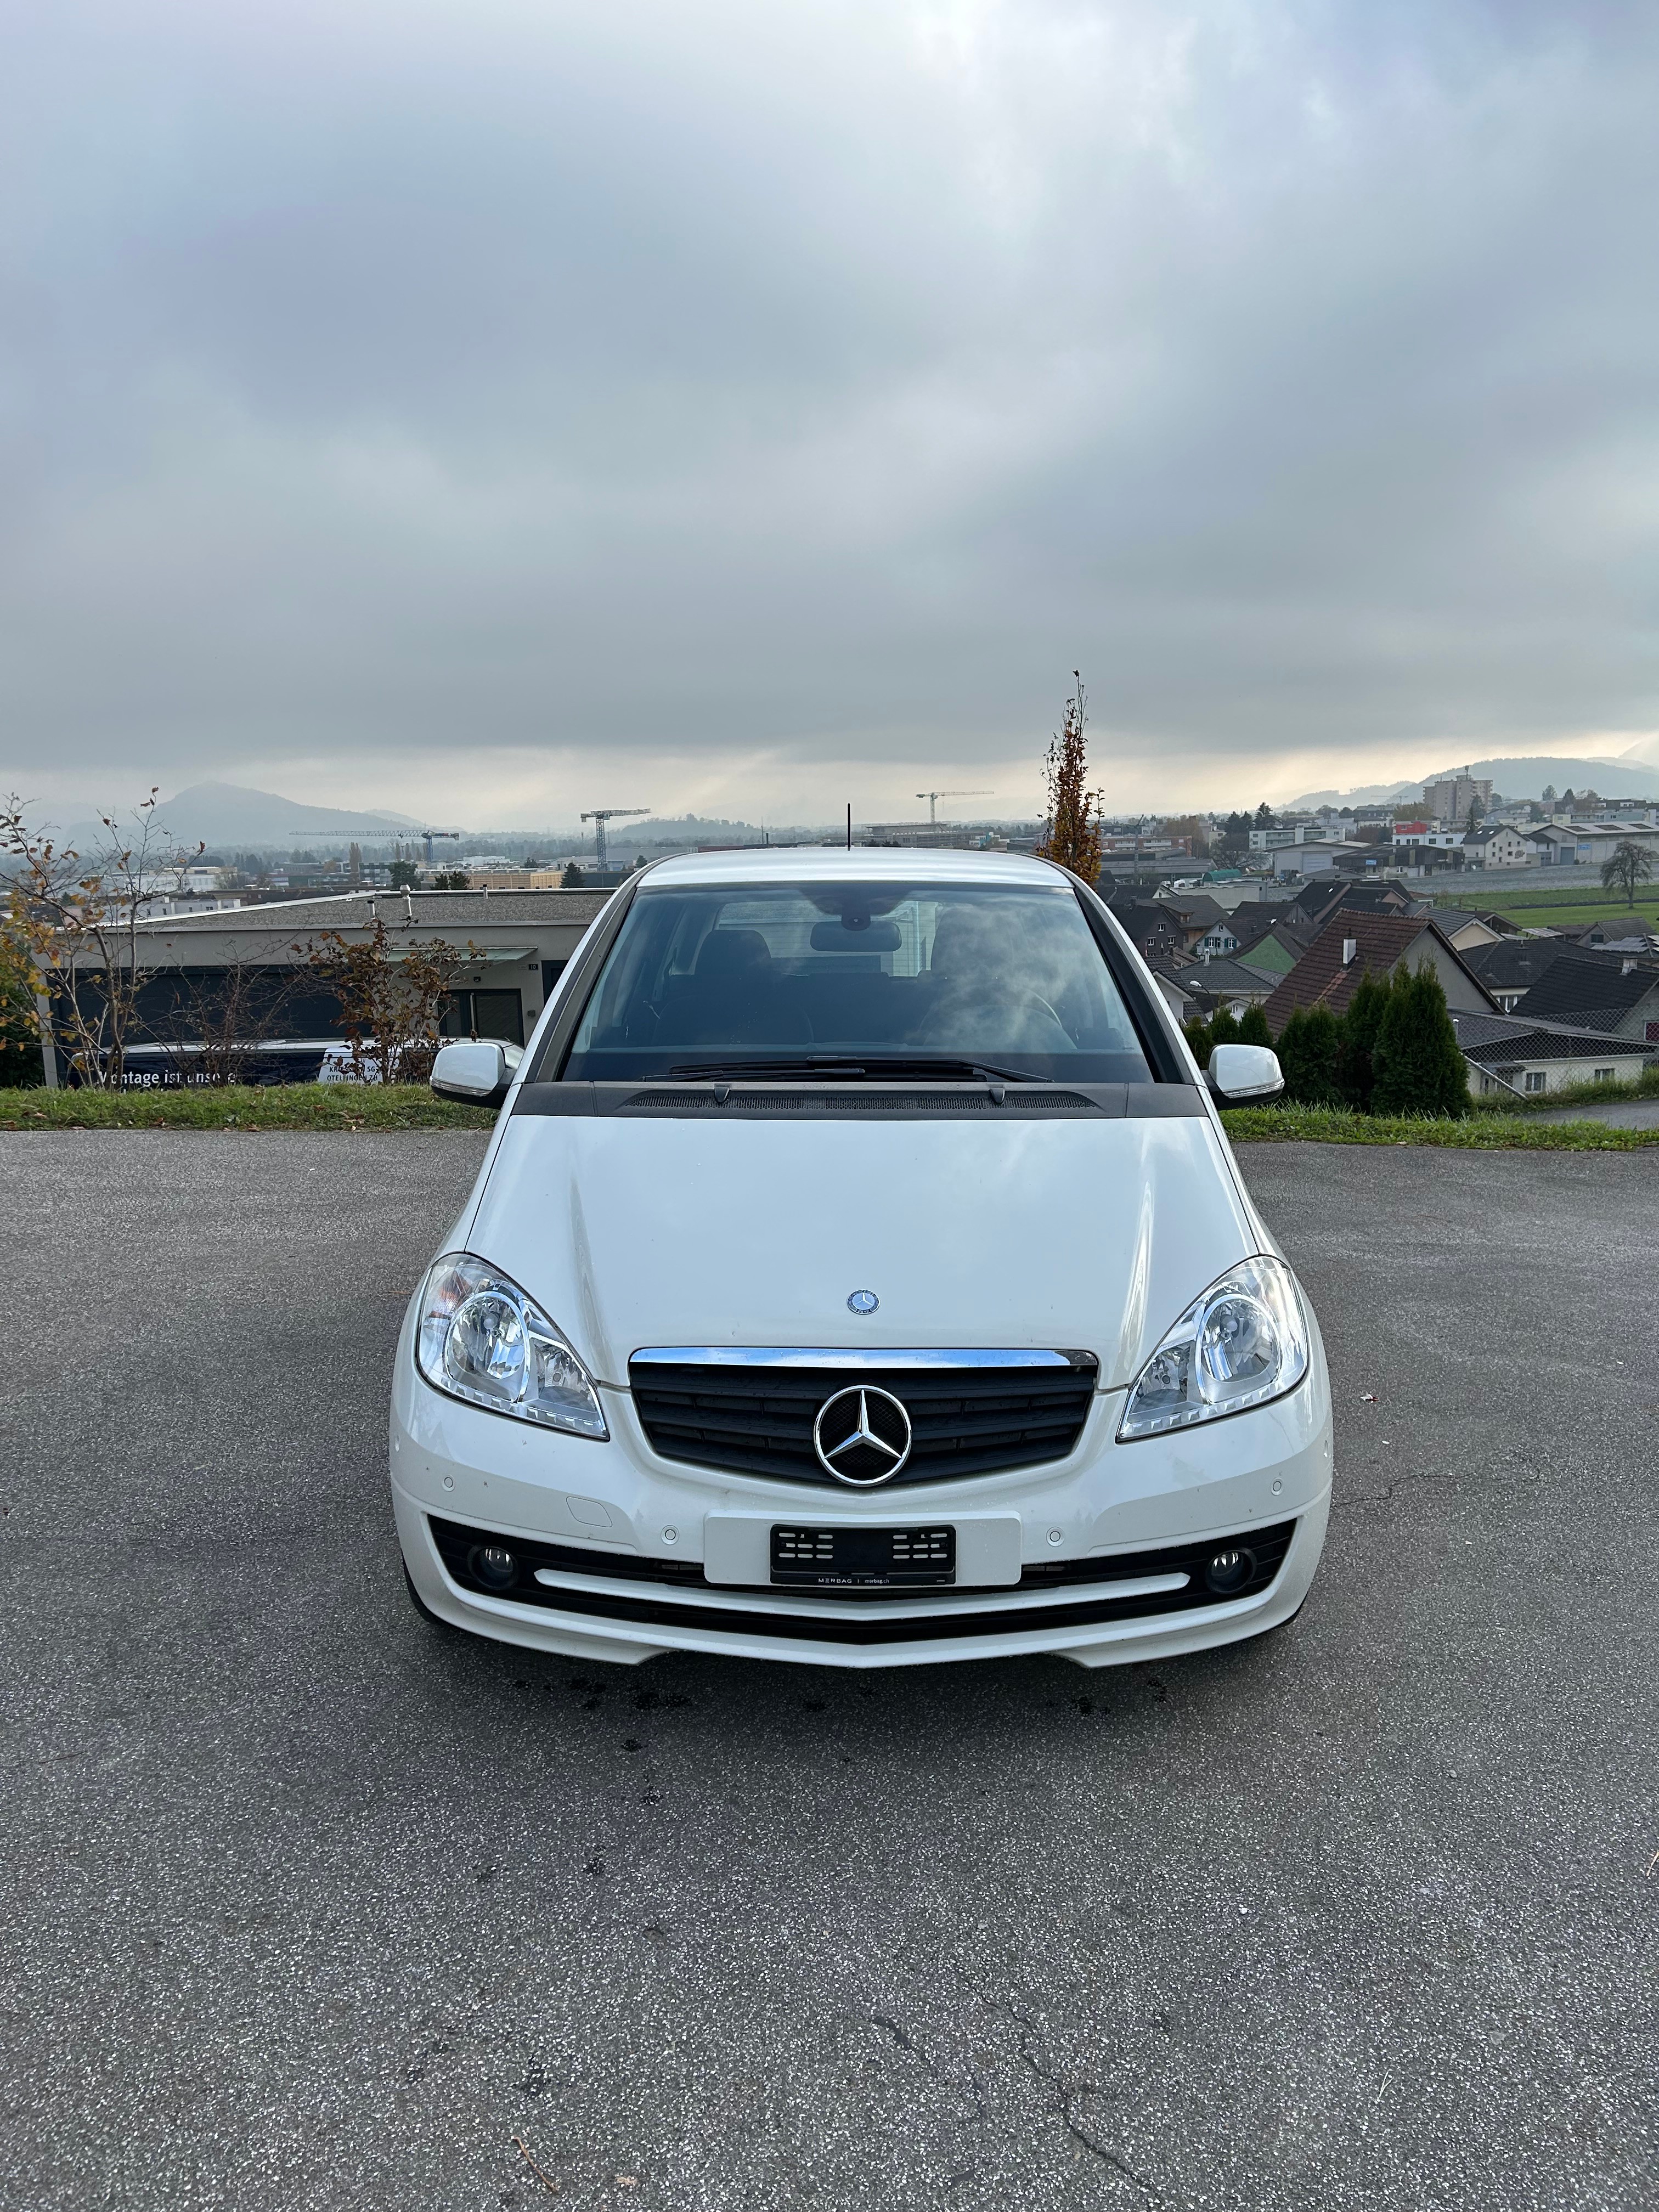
[[481, 1339], [1244, 1342]]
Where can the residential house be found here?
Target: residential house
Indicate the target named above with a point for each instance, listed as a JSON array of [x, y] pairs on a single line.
[[1209, 933], [1353, 944], [1588, 991], [1624, 933], [1507, 1053], [1511, 965], [1315, 903], [1274, 950], [1466, 931], [1176, 986], [1248, 891], [1497, 845], [1155, 931], [1216, 983]]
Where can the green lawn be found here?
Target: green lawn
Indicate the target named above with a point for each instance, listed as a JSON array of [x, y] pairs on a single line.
[[1483, 1132], [372, 1106], [281, 1106], [1549, 910]]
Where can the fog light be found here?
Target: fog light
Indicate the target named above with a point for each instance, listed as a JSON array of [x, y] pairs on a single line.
[[494, 1565], [1229, 1570]]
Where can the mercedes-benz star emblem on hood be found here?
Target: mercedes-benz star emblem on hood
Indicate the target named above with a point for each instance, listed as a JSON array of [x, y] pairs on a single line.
[[862, 1437]]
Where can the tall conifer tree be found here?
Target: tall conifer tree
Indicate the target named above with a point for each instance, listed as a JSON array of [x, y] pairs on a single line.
[[1419, 1067]]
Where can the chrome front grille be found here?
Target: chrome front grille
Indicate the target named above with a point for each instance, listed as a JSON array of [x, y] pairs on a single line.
[[744, 1412]]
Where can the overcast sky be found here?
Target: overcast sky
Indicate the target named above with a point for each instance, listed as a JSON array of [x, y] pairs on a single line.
[[494, 408]]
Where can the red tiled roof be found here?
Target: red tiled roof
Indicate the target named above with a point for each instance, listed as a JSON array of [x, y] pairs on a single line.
[[1322, 977]]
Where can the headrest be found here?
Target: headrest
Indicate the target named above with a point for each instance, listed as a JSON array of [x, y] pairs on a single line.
[[733, 952], [964, 943]]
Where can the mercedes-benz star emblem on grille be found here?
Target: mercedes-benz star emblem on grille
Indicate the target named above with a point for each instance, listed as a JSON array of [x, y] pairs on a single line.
[[862, 1437], [864, 1302]]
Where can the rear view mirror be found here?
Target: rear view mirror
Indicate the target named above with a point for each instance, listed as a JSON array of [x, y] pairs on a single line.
[[838, 936], [475, 1073], [1244, 1075]]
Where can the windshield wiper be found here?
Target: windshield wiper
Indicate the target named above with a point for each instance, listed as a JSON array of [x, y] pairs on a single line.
[[833, 1067], [726, 1069], [983, 1071]]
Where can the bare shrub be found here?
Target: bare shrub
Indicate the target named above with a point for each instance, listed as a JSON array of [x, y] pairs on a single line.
[[76, 917], [392, 997], [217, 1025]]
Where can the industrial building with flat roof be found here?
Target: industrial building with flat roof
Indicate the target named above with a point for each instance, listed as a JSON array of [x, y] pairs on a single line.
[[516, 944]]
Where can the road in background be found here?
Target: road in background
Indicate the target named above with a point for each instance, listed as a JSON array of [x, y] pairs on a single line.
[[307, 1907], [1620, 1113]]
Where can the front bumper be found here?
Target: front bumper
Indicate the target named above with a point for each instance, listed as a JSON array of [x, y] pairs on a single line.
[[634, 1525]]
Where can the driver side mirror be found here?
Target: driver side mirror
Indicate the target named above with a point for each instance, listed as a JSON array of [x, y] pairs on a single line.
[[476, 1072], [1244, 1075]]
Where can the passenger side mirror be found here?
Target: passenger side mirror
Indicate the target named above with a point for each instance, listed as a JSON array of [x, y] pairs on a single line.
[[475, 1073], [1244, 1075]]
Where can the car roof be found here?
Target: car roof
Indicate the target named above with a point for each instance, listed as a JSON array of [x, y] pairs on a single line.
[[858, 864]]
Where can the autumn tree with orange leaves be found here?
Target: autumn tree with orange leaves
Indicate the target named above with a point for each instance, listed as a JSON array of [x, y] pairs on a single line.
[[1073, 833]]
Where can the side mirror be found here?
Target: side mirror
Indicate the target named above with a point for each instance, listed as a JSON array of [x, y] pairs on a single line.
[[1244, 1075], [475, 1075]]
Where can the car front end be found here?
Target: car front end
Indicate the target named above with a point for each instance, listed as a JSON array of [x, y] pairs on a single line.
[[836, 1365]]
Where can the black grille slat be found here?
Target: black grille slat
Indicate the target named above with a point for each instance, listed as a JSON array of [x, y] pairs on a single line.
[[745, 1419]]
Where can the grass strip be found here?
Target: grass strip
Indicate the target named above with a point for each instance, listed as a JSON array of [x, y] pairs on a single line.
[[411, 1106], [237, 1106], [1479, 1132], [1567, 906]]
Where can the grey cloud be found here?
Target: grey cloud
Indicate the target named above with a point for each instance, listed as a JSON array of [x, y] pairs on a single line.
[[822, 383]]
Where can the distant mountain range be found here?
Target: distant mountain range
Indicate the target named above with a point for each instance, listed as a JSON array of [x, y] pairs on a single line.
[[1630, 776], [230, 814]]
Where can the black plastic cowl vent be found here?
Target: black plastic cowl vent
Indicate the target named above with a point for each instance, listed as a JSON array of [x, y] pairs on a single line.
[[935, 1101]]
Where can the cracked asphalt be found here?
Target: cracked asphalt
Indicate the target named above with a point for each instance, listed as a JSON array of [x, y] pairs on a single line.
[[304, 1906]]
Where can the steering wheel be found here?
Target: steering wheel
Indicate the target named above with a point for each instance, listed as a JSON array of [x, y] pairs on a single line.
[[944, 1020]]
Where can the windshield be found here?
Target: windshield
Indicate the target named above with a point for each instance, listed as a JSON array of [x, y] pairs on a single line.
[[878, 973]]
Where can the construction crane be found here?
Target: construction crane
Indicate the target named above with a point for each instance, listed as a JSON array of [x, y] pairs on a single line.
[[426, 837], [933, 798], [598, 816]]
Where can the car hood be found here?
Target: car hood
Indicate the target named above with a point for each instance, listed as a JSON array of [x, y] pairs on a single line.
[[1080, 1235]]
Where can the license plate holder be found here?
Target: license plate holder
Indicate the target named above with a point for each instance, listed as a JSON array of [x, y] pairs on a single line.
[[851, 1558]]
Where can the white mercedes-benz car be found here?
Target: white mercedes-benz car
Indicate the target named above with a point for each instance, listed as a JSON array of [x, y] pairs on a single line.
[[858, 1274]]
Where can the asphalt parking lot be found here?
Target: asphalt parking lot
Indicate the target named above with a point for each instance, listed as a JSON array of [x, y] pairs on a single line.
[[304, 1907]]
